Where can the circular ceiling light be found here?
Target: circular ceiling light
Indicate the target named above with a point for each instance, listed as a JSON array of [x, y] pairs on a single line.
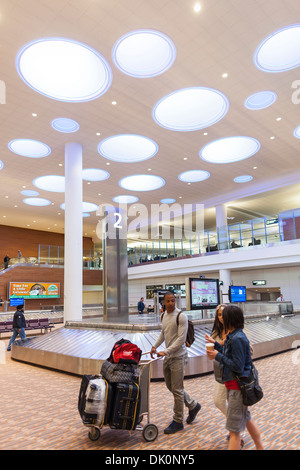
[[191, 109], [126, 199], [260, 100], [280, 51], [243, 179], [52, 183], [86, 207], [63, 69], [95, 174], [127, 148], [29, 148], [229, 149], [194, 176], [168, 200], [29, 192], [144, 53], [36, 201], [1, 165], [142, 182], [65, 125], [297, 132]]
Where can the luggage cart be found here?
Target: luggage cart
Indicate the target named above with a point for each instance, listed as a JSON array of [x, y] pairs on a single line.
[[149, 430]]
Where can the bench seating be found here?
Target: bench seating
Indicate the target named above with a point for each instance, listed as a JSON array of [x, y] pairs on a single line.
[[36, 324]]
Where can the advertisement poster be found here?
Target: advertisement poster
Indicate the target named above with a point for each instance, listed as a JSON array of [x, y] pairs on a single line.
[[34, 290]]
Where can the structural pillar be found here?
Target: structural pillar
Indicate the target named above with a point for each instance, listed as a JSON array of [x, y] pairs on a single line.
[[73, 233], [221, 223], [224, 275]]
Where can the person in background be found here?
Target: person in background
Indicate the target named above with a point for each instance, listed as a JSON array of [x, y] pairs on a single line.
[[19, 256], [235, 357], [280, 298], [19, 325], [6, 261], [175, 357], [141, 306]]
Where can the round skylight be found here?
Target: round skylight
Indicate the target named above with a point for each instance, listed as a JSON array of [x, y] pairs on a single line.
[[127, 148], [142, 182], [243, 179], [65, 125], [229, 149], [29, 148], [190, 109], [194, 176], [297, 132], [280, 51], [86, 207], [168, 200], [95, 174], [36, 201], [260, 100], [125, 199], [1, 165], [52, 183], [144, 53], [63, 69], [29, 192]]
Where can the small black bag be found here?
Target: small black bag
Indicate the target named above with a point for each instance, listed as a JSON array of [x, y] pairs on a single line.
[[250, 388]]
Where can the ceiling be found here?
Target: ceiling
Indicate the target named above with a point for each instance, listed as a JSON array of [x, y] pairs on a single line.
[[221, 38]]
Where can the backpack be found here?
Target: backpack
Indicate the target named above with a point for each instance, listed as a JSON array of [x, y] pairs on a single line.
[[190, 334], [126, 352]]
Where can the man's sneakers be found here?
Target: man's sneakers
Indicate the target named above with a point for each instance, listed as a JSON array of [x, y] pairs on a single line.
[[193, 413], [173, 427]]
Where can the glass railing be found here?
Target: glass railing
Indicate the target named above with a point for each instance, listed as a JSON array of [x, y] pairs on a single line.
[[54, 255], [260, 231]]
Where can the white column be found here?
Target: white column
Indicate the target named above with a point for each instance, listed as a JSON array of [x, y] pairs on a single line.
[[221, 215], [225, 277], [73, 233]]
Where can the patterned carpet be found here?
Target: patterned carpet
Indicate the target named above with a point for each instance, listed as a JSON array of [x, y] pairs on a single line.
[[39, 411]]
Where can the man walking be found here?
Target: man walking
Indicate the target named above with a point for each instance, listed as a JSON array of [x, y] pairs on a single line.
[[175, 356], [19, 325]]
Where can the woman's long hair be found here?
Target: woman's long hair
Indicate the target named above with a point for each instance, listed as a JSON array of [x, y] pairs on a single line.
[[218, 328]]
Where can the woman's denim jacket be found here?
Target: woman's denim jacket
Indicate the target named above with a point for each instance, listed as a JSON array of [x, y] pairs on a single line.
[[235, 355]]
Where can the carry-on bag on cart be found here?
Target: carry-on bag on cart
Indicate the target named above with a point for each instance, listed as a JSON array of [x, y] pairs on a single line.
[[125, 351], [94, 401], [122, 373], [125, 409]]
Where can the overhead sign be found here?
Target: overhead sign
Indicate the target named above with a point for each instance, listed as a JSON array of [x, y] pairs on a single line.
[[34, 290], [259, 283]]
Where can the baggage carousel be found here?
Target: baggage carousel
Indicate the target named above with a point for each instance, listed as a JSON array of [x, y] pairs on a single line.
[[81, 347]]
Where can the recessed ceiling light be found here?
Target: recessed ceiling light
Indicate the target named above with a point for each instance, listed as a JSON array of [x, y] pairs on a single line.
[[194, 176], [65, 125], [260, 100], [95, 174], [28, 192], [52, 183], [243, 179], [190, 109], [142, 182], [278, 119], [128, 148], [29, 148], [34, 114], [280, 50], [255, 168], [168, 200], [37, 201], [114, 103], [272, 137], [98, 133], [224, 75], [86, 207], [144, 53], [296, 132], [125, 199], [185, 158], [197, 7], [229, 149], [49, 65]]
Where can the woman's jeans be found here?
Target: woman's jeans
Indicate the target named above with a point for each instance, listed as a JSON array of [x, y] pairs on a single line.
[[15, 334]]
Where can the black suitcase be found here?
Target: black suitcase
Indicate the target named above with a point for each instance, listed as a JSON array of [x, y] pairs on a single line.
[[125, 409], [90, 419]]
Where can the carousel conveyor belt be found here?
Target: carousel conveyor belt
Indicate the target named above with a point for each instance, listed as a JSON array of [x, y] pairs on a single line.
[[81, 347]]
